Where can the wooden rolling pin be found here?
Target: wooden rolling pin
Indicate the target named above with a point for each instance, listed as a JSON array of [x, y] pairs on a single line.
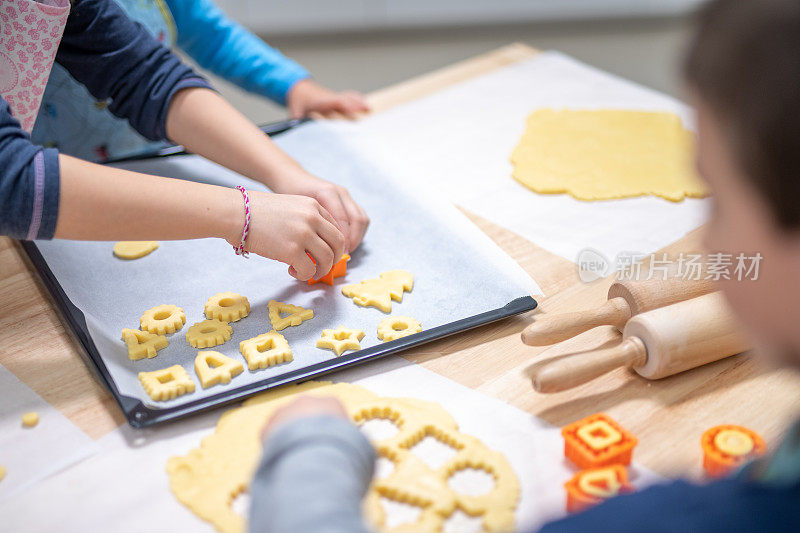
[[625, 299], [656, 344]]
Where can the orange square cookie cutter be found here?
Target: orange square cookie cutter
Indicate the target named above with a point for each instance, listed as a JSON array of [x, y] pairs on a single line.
[[597, 441], [587, 488], [727, 447]]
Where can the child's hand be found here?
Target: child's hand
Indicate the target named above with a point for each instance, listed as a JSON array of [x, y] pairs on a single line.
[[350, 217], [284, 227], [303, 407], [307, 97]]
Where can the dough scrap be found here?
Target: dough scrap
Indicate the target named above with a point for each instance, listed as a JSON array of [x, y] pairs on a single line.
[[395, 327], [607, 154], [379, 292], [134, 249], [227, 307], [268, 349], [143, 344], [341, 339], [167, 383], [297, 315], [30, 419], [213, 368], [208, 333], [209, 477], [163, 319], [2, 472]]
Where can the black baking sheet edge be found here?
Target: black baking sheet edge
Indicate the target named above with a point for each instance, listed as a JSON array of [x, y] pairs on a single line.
[[139, 415]]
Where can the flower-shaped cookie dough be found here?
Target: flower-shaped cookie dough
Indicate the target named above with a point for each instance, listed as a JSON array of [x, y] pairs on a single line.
[[394, 327], [268, 349], [143, 344], [223, 370], [227, 307], [296, 315], [163, 319], [340, 339], [208, 333], [167, 383]]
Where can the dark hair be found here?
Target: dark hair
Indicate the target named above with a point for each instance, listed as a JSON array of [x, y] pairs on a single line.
[[744, 63]]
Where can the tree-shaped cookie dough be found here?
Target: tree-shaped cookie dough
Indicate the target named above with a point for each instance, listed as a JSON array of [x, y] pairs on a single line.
[[379, 292]]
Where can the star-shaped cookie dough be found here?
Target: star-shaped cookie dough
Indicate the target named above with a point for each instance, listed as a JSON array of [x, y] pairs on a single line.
[[341, 339]]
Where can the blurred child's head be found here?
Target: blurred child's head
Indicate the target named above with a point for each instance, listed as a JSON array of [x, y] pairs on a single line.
[[743, 74]]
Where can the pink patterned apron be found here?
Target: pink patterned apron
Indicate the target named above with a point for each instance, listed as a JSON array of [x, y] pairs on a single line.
[[30, 32]]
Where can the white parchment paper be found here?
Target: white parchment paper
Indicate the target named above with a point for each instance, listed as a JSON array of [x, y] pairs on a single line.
[[30, 455], [126, 488], [460, 140], [458, 271]]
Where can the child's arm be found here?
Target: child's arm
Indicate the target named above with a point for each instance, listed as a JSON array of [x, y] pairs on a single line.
[[206, 124], [314, 473], [229, 50], [103, 203]]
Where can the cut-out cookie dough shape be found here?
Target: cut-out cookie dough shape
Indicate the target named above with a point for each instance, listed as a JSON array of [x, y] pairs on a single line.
[[208, 478], [268, 349], [214, 368], [163, 319], [339, 270], [296, 315], [167, 383], [340, 339], [134, 249], [208, 333], [607, 154], [227, 307], [395, 327], [379, 292], [143, 344]]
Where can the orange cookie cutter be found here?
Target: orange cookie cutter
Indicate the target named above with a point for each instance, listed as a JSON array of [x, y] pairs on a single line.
[[587, 488], [337, 271], [727, 446], [597, 441]]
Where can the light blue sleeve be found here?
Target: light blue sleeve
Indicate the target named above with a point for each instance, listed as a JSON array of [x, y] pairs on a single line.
[[229, 50]]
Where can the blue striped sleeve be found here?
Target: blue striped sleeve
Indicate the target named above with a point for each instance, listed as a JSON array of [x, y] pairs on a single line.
[[29, 183]]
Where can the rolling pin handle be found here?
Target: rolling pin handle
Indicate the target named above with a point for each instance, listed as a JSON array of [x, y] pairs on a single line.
[[549, 329], [578, 369]]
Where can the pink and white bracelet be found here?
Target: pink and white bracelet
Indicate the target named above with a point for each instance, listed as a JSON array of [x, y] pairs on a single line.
[[246, 229]]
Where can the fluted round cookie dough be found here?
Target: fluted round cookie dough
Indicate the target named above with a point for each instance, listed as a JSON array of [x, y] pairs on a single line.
[[227, 307], [134, 249], [163, 319], [208, 333], [395, 327], [30, 419]]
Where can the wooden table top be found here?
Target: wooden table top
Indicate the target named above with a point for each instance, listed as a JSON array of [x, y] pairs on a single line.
[[668, 416]]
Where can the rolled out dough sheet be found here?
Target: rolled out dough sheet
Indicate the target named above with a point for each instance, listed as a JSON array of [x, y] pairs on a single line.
[[605, 154]]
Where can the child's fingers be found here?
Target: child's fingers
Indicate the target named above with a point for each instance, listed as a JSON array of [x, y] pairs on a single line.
[[333, 237], [359, 221], [323, 256], [302, 265], [331, 200]]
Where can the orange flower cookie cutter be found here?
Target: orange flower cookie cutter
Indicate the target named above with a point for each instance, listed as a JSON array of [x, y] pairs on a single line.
[[587, 488], [726, 447], [337, 271], [597, 441]]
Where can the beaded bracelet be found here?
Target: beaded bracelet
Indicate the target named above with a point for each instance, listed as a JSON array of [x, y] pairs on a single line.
[[246, 229]]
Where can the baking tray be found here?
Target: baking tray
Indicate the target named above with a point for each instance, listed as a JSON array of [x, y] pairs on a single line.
[[142, 412]]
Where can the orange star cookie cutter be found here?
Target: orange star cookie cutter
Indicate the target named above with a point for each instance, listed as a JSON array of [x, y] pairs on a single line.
[[597, 441], [587, 488], [727, 447], [337, 271]]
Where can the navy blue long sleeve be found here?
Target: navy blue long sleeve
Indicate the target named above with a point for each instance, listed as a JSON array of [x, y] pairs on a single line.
[[117, 60]]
